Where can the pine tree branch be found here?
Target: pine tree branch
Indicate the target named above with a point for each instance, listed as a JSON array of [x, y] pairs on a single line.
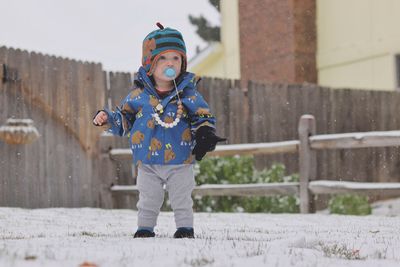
[[204, 30]]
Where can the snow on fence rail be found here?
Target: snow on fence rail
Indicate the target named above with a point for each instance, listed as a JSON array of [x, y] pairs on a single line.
[[341, 187], [269, 189], [306, 146], [355, 140], [229, 150]]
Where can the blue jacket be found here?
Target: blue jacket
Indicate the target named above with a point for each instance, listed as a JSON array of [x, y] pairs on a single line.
[[150, 142]]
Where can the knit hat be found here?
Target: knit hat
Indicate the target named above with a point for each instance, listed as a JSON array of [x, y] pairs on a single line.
[[159, 42]]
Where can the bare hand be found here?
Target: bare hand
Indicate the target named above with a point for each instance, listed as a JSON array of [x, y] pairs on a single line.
[[100, 119]]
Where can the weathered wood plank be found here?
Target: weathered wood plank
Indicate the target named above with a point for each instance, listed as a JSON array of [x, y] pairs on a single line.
[[355, 140], [28, 163], [57, 134], [74, 161], [5, 161], [38, 115], [102, 167], [321, 96], [256, 149], [120, 86], [244, 114], [234, 133], [258, 114], [307, 162], [218, 105], [342, 187], [21, 63], [85, 117], [287, 109], [271, 189], [224, 104], [229, 150], [61, 154], [65, 113], [17, 175], [265, 189], [81, 114], [52, 177], [252, 123]]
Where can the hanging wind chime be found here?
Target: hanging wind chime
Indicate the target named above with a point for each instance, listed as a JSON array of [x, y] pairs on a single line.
[[19, 132]]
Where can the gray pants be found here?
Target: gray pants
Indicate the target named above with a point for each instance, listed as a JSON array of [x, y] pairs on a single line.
[[179, 182]]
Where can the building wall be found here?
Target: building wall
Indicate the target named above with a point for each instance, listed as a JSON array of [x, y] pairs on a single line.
[[209, 62], [277, 40], [357, 43], [230, 38], [222, 60]]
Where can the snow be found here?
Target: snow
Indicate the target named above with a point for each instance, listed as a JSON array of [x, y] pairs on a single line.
[[390, 207], [69, 237]]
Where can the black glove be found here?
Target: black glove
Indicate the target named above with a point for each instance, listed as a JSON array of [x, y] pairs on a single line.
[[206, 140]]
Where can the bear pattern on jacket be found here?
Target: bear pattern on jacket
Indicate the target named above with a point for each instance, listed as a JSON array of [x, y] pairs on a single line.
[[151, 143]]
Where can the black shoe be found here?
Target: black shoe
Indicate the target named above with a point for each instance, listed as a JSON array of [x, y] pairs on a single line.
[[144, 234], [184, 233]]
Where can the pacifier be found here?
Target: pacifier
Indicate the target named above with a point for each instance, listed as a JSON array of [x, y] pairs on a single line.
[[170, 72]]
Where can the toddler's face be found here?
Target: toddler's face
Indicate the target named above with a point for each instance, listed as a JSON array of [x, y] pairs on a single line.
[[168, 59]]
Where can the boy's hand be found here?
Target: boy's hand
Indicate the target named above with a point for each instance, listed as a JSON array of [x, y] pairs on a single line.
[[100, 118], [206, 140]]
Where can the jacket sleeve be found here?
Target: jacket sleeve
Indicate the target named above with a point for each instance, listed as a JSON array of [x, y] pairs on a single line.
[[121, 120], [197, 110]]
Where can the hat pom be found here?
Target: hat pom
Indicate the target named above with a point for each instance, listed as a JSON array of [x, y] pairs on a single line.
[[160, 26]]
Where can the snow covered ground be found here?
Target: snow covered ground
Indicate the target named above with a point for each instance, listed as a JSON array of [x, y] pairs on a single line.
[[69, 237]]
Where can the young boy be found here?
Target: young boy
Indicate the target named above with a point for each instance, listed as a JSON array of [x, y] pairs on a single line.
[[167, 122]]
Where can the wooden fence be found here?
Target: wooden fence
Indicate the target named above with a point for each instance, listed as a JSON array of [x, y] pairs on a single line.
[[62, 167], [69, 165], [306, 147]]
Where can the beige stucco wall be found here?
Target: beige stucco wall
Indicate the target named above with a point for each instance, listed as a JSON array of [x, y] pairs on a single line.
[[211, 64], [224, 60], [230, 38], [357, 43]]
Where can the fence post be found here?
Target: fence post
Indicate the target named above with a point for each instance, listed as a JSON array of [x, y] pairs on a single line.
[[307, 162]]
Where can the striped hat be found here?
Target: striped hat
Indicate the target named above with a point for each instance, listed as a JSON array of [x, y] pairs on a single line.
[[159, 42]]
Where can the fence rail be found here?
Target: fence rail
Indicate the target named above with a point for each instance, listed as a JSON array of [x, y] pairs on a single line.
[[320, 187], [261, 189], [342, 187], [307, 187], [229, 150], [355, 140]]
